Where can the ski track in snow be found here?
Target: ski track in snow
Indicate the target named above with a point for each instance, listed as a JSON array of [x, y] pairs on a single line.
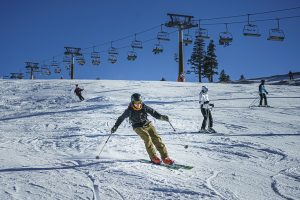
[[280, 187], [48, 142], [209, 184], [96, 190]]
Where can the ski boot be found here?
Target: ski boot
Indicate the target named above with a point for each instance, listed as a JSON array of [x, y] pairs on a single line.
[[156, 160], [211, 130], [203, 130], [168, 161]]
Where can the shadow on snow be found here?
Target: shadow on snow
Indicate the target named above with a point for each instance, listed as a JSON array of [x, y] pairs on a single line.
[[58, 112]]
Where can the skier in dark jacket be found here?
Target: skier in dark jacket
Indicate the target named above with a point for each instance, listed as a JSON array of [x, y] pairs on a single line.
[[137, 112], [263, 93], [291, 76], [78, 91]]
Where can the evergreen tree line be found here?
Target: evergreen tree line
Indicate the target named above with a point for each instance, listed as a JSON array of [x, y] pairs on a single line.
[[204, 62]]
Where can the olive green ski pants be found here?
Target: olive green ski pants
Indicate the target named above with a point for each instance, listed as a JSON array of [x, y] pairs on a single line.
[[151, 139]]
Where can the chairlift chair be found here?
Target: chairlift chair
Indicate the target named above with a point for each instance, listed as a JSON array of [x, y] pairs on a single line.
[[113, 51], [136, 44], [202, 33], [112, 58], [162, 35], [80, 60], [54, 63], [131, 56], [96, 62], [67, 59], [225, 38], [251, 29], [158, 48], [45, 71], [95, 56], [57, 70], [187, 39], [276, 34]]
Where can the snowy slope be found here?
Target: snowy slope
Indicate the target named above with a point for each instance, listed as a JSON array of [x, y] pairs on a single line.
[[282, 79], [48, 142]]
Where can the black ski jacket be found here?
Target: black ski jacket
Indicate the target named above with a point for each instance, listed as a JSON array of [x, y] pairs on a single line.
[[138, 118], [78, 91]]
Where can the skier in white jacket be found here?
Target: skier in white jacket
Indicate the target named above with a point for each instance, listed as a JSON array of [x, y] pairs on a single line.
[[205, 110]]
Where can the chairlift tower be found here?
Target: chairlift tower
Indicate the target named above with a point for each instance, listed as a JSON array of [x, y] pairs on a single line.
[[32, 67], [181, 22], [73, 52]]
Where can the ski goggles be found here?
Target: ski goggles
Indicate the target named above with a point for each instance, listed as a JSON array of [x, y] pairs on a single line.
[[137, 102]]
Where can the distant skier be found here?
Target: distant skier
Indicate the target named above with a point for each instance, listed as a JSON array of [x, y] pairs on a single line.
[[263, 93], [137, 112], [205, 110], [291, 76], [78, 91], [181, 78]]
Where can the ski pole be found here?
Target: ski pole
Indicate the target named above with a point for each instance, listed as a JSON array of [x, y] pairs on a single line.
[[172, 126], [98, 156], [253, 102]]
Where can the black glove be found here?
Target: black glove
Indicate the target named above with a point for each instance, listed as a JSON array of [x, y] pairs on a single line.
[[164, 118], [267, 92], [114, 129], [212, 105]]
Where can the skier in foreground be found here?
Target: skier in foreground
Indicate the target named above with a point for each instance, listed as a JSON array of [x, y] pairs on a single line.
[[205, 110], [263, 93], [137, 113], [78, 91]]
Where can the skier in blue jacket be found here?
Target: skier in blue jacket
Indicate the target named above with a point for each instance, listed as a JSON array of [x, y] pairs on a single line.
[[262, 93]]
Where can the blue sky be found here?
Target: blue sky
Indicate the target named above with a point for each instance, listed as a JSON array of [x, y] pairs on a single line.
[[38, 30]]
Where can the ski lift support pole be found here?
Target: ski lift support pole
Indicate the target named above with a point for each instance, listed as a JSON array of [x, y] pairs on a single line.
[[180, 22], [73, 52]]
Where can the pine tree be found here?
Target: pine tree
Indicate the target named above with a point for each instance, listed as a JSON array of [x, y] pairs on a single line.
[[224, 77], [197, 58], [210, 62]]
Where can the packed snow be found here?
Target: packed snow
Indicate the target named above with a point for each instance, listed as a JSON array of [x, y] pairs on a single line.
[[49, 141]]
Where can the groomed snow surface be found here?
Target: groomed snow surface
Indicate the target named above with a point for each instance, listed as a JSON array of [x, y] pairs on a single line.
[[49, 140]]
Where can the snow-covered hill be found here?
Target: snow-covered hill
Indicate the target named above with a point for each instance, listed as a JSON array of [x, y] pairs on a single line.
[[48, 142], [282, 79]]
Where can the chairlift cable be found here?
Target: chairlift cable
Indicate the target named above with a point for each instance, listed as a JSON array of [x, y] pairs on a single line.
[[258, 13], [207, 19], [257, 20]]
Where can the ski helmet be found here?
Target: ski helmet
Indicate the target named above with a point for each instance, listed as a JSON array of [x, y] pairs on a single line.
[[262, 81], [204, 89], [136, 97]]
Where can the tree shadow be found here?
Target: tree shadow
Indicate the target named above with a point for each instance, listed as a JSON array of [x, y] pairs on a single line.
[[238, 135], [80, 165], [97, 107]]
